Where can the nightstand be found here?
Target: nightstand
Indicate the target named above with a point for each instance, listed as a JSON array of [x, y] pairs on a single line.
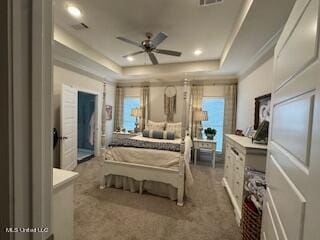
[[207, 145], [122, 135]]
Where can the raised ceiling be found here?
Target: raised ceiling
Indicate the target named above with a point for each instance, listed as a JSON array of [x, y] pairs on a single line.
[[188, 25]]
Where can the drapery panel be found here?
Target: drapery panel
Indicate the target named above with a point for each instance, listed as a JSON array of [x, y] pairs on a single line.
[[196, 103], [230, 101], [144, 105], [230, 110], [118, 118]]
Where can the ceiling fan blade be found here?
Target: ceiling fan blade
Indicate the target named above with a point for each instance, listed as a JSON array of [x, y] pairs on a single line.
[[168, 52], [129, 41], [133, 54], [153, 58], [159, 39]]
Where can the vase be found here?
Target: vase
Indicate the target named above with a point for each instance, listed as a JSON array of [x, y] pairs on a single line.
[[210, 136]]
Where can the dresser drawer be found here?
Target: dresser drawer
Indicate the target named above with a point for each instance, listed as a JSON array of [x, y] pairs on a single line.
[[228, 173], [238, 167], [238, 183], [238, 190]]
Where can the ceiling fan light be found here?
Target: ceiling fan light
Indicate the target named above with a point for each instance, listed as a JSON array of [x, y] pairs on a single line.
[[197, 52], [130, 58]]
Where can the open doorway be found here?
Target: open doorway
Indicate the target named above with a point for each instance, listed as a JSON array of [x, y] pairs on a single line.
[[86, 126]]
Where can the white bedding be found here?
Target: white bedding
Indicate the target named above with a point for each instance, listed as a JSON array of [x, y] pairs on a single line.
[[150, 157], [153, 157]]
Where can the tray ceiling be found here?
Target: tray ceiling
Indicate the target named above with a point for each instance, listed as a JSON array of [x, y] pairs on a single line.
[[189, 26]]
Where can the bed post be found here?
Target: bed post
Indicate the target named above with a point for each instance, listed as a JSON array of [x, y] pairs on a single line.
[[184, 111], [103, 139], [180, 194], [103, 123]]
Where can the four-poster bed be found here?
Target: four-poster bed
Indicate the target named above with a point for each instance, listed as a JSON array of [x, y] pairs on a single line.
[[142, 160]]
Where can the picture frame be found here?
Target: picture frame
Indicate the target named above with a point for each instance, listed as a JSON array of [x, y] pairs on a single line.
[[262, 110], [108, 110]]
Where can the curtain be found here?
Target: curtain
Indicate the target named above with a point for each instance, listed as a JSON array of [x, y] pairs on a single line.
[[144, 105], [196, 103], [230, 109], [118, 118]]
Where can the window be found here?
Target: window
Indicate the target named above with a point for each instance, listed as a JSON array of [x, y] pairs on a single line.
[[215, 108], [128, 104]]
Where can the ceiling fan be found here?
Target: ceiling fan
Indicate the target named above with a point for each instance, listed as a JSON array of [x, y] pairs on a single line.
[[149, 46]]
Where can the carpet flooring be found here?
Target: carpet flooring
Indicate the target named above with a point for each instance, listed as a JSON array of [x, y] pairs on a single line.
[[114, 214]]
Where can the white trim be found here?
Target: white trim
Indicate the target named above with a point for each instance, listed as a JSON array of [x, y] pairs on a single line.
[[235, 31], [31, 92], [263, 55], [68, 58]]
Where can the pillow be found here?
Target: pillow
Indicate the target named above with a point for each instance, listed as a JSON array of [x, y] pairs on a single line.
[[158, 134], [170, 135], [145, 133], [174, 127], [157, 126]]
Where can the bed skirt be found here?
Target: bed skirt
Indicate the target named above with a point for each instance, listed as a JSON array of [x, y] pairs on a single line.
[[132, 185]]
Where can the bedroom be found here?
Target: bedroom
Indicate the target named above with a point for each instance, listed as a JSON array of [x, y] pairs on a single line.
[[161, 113]]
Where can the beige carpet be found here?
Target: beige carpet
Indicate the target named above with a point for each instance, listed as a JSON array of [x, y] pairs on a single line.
[[114, 214]]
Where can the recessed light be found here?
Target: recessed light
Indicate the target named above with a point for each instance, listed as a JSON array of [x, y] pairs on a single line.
[[130, 58], [197, 52], [74, 11]]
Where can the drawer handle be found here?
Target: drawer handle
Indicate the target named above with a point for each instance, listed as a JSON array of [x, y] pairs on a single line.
[[241, 159], [238, 182], [237, 197], [237, 168], [235, 151]]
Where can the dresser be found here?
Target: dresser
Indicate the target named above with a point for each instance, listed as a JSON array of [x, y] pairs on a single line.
[[240, 153]]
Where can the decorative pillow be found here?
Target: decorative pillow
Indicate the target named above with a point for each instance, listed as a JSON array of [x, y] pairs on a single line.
[[170, 135], [158, 134], [174, 127], [145, 133], [157, 126]]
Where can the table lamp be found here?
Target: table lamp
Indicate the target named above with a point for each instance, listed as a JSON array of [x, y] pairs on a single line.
[[200, 116], [136, 112]]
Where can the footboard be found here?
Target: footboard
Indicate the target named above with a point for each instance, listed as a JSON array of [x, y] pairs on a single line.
[[141, 173]]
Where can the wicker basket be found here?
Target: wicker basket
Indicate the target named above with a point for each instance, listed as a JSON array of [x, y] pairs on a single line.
[[251, 221]]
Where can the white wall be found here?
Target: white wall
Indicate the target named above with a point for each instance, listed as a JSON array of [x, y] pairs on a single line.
[[80, 82], [256, 84], [157, 104]]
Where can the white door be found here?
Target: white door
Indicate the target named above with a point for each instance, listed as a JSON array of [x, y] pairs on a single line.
[[292, 207], [69, 120]]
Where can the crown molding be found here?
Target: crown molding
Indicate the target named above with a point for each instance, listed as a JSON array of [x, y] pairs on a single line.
[[69, 59], [240, 20], [264, 54]]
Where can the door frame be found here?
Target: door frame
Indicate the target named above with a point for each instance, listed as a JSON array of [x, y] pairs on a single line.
[[97, 106], [27, 93]]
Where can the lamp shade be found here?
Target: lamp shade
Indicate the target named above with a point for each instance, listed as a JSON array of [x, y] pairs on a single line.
[[136, 112], [200, 116]]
